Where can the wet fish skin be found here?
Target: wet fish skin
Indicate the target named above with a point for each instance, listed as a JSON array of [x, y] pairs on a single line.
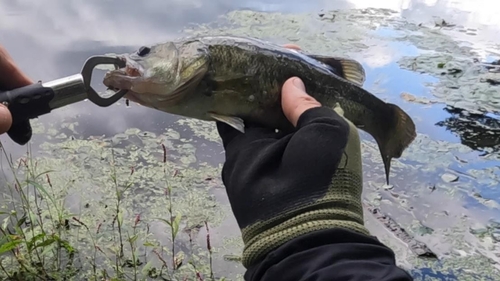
[[231, 79]]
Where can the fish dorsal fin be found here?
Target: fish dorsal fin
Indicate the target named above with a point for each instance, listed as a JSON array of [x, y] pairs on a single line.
[[348, 69]]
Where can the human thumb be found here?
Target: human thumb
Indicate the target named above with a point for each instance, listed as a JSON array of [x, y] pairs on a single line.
[[295, 100], [5, 119]]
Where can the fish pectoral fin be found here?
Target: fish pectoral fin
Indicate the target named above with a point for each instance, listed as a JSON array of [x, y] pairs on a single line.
[[232, 121], [337, 108], [348, 69]]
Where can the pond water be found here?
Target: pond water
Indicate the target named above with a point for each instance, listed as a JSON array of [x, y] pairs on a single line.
[[445, 188]]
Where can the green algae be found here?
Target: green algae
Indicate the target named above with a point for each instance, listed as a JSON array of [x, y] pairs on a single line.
[[203, 129], [434, 211], [461, 90], [303, 29]]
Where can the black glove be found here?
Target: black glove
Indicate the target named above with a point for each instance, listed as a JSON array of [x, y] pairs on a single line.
[[284, 186]]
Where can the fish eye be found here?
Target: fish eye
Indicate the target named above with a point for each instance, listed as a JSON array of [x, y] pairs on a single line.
[[143, 51]]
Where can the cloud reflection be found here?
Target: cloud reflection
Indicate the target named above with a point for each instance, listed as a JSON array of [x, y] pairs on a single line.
[[52, 38], [464, 12]]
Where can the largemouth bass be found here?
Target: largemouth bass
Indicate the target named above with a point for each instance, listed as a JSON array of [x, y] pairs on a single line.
[[232, 79]]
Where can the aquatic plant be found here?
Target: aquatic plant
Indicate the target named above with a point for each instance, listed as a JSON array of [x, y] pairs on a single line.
[[105, 209]]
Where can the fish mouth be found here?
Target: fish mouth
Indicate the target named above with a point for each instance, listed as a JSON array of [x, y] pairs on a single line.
[[125, 78], [141, 87]]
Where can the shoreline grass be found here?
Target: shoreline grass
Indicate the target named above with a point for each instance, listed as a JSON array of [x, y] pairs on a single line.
[[42, 239]]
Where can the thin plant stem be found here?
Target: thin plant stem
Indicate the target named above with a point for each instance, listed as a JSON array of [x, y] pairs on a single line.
[[209, 248]]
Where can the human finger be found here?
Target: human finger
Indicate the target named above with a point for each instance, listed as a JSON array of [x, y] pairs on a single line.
[[5, 119], [11, 76], [295, 100]]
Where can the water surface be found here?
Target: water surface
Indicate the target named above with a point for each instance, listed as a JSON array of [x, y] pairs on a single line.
[[400, 47]]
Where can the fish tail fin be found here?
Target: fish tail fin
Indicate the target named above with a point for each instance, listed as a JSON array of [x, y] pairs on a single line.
[[394, 135]]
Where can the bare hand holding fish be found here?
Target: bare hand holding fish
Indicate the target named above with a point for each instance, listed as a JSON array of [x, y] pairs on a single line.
[[234, 80]]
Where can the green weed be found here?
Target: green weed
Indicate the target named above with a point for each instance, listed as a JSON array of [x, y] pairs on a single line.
[[44, 238]]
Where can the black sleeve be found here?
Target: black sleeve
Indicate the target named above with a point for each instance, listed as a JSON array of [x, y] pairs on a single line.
[[333, 254]]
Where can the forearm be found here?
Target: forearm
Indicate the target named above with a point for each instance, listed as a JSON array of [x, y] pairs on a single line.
[[333, 254]]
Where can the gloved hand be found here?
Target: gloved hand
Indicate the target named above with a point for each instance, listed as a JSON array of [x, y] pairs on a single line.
[[284, 186]]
